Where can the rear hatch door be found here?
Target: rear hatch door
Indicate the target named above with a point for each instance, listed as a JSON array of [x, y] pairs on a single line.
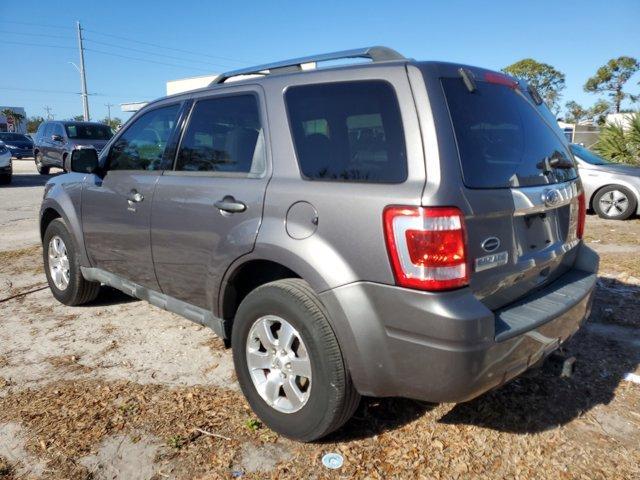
[[520, 184]]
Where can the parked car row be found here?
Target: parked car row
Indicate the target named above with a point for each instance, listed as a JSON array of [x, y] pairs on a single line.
[[18, 144]]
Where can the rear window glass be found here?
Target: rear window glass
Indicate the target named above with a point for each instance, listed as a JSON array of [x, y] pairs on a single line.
[[88, 131], [349, 131], [502, 140]]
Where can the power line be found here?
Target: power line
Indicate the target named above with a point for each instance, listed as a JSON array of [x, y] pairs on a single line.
[[156, 54], [242, 62], [30, 34], [146, 60], [37, 45], [44, 25]]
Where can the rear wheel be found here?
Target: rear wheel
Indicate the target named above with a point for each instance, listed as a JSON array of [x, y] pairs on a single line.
[[289, 363], [62, 267], [615, 202]]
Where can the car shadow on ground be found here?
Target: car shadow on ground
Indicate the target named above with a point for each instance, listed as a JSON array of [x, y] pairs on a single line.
[[606, 349], [29, 180], [110, 296]]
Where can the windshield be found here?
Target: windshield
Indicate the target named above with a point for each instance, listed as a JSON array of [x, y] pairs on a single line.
[[88, 132], [503, 141], [587, 155], [13, 137]]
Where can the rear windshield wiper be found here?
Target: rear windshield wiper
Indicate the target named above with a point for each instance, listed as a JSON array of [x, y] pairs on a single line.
[[548, 164]]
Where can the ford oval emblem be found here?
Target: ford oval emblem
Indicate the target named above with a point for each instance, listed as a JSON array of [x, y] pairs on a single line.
[[490, 244], [551, 198]]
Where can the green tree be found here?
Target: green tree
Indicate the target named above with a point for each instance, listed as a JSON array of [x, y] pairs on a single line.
[[610, 79], [33, 123], [575, 112], [598, 112], [18, 118], [619, 144], [78, 118], [545, 78], [113, 122]]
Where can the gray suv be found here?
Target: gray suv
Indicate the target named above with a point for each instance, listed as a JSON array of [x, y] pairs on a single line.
[[54, 140], [392, 228]]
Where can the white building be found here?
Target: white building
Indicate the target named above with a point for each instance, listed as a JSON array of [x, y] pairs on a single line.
[[9, 125]]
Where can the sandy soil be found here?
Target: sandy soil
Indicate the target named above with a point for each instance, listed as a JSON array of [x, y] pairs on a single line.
[[121, 389]]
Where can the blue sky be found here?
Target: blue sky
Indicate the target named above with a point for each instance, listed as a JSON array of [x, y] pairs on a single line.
[[575, 36]]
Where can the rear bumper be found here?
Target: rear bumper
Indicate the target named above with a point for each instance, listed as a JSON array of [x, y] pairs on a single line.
[[448, 347], [20, 153]]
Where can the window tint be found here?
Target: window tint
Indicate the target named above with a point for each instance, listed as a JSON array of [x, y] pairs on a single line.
[[48, 131], [502, 140], [142, 144], [224, 135], [88, 132], [349, 131]]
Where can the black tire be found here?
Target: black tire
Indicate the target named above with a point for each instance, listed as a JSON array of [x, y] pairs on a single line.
[[42, 170], [6, 179], [607, 194], [332, 396], [78, 291]]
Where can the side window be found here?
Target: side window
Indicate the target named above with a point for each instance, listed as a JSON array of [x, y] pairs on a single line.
[[348, 131], [48, 131], [142, 144], [224, 135], [40, 131], [57, 130]]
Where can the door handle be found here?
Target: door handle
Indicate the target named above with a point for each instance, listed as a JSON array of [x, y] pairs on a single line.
[[135, 196], [230, 205]]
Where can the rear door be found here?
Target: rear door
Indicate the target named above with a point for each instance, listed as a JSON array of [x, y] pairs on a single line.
[[519, 181], [116, 206], [208, 208]]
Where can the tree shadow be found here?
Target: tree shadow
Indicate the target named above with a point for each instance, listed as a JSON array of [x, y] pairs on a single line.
[[606, 348]]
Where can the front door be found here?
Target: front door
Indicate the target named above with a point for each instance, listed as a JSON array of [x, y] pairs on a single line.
[[116, 205], [207, 210]]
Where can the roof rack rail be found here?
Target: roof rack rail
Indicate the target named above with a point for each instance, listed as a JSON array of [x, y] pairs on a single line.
[[376, 54]]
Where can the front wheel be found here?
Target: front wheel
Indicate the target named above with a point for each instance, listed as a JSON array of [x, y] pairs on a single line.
[[615, 202], [62, 267], [42, 170], [288, 361]]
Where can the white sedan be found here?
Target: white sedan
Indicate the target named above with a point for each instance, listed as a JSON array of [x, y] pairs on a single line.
[[6, 168]]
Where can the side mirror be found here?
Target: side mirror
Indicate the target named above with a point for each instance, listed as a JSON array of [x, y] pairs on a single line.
[[56, 138], [82, 160]]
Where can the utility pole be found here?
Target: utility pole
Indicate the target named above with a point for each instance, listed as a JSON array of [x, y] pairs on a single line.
[[47, 109], [83, 77], [109, 105]]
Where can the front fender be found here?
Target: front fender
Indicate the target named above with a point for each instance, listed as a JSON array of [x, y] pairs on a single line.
[[63, 195]]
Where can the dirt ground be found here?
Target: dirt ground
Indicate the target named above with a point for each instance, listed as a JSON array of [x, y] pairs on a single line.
[[121, 389]]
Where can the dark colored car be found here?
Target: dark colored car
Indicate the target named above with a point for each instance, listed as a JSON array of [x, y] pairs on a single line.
[[54, 140], [18, 144], [396, 228]]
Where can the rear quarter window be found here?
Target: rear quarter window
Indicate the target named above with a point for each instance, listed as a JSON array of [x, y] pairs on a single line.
[[502, 140], [348, 131]]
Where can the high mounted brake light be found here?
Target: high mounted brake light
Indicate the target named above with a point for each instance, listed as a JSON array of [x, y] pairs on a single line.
[[499, 79], [427, 246]]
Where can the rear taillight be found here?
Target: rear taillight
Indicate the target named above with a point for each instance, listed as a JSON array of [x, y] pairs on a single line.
[[499, 79], [582, 214], [427, 246]]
